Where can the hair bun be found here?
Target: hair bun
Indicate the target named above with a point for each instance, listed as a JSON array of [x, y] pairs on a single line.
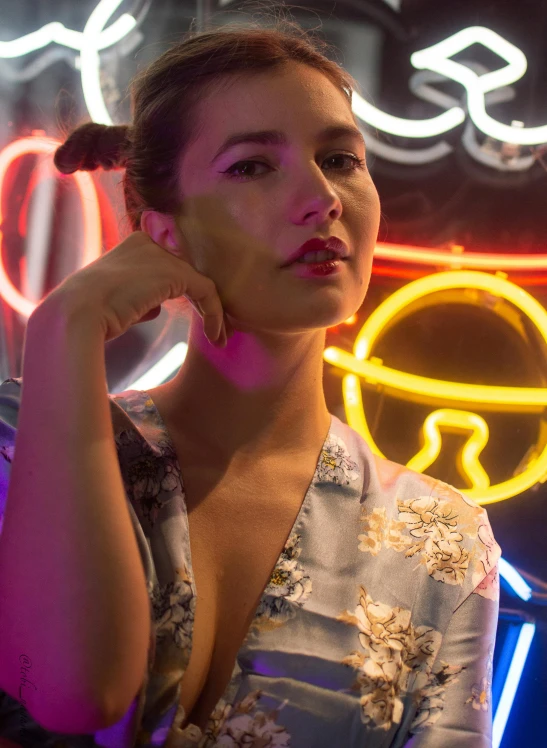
[[93, 145]]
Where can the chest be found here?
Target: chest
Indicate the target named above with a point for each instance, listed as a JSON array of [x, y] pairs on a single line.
[[238, 526]]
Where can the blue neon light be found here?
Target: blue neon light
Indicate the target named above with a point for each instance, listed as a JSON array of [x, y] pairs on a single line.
[[518, 659]]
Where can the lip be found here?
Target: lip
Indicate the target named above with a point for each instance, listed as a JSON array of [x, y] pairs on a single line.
[[333, 244]]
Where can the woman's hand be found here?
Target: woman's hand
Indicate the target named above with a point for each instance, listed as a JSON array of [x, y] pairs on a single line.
[[128, 284]]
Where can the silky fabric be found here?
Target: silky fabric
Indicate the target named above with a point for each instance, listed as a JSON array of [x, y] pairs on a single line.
[[376, 628]]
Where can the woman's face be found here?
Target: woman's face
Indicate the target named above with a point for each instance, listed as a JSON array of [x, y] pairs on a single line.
[[240, 222]]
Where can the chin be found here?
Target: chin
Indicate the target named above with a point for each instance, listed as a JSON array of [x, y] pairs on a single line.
[[302, 322], [291, 314], [327, 315]]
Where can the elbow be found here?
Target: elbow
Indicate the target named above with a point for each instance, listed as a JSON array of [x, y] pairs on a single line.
[[64, 703], [77, 717], [74, 719], [71, 713], [80, 713]]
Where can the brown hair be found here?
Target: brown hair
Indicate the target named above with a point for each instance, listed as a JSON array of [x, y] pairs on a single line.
[[163, 98]]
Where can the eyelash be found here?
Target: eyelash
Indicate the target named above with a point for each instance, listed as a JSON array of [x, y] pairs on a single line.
[[358, 163]]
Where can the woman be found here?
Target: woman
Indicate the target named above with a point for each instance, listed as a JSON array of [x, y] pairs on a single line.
[[302, 591]]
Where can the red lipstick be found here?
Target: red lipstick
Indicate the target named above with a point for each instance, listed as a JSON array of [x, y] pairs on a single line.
[[332, 244]]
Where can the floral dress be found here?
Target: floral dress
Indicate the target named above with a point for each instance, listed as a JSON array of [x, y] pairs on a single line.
[[376, 628]]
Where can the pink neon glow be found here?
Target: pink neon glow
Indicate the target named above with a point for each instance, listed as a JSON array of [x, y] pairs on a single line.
[[40, 144]]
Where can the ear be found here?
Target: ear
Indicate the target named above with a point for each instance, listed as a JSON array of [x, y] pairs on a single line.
[[162, 229]]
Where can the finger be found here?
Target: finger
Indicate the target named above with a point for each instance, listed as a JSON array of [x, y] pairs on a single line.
[[228, 326], [210, 326], [208, 302], [152, 314], [222, 340]]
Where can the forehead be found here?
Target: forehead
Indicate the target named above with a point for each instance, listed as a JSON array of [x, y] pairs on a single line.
[[296, 99]]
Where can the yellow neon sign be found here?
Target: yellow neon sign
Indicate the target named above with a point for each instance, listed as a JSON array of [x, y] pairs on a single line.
[[450, 398]]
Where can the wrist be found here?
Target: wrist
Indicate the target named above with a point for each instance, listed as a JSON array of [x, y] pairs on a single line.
[[57, 313]]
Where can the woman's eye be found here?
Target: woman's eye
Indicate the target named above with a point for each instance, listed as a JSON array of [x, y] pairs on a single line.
[[239, 166], [355, 161]]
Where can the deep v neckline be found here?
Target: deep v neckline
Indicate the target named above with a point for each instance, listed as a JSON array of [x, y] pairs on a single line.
[[269, 589], [301, 512]]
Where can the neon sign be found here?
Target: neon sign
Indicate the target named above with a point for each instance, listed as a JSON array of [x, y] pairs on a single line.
[[88, 201], [88, 43], [433, 65], [456, 258], [455, 401], [436, 60]]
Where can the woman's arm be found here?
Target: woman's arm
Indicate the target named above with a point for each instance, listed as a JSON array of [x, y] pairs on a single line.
[[72, 586]]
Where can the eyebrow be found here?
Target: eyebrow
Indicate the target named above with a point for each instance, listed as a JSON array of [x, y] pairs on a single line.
[[276, 137]]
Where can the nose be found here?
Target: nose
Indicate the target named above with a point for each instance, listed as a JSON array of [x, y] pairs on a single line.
[[316, 199]]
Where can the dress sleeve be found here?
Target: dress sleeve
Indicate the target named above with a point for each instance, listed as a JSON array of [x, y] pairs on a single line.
[[456, 707], [10, 394]]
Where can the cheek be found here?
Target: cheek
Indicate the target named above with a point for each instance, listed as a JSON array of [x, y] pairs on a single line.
[[238, 274], [215, 236], [376, 210], [244, 260], [369, 209]]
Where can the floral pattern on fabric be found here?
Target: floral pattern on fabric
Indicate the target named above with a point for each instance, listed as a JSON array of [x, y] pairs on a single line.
[[289, 586], [446, 491], [216, 722], [487, 552], [148, 480], [489, 586], [151, 423], [335, 464], [485, 571], [396, 660], [481, 693], [433, 696], [437, 537], [380, 530], [174, 607], [428, 526], [247, 727]]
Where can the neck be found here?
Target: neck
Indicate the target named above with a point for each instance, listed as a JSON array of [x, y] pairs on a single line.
[[262, 393]]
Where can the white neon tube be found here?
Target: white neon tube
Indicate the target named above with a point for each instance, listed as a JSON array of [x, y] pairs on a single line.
[[91, 61], [413, 156], [437, 54], [436, 58], [511, 684], [89, 43], [162, 369], [419, 128], [514, 579], [55, 32]]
